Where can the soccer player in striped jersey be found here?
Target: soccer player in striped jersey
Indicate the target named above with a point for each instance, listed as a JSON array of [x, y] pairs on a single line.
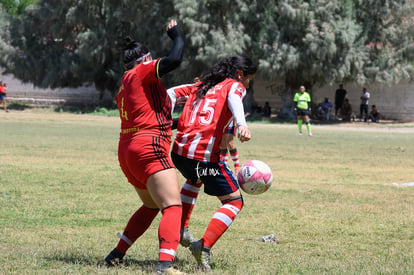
[[213, 103], [145, 110]]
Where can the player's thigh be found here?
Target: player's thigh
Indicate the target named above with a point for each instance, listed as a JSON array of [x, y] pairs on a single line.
[[164, 188], [146, 198]]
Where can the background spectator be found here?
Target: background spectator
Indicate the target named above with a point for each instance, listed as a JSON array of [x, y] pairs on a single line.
[[3, 93], [324, 110], [340, 95], [363, 108], [374, 115], [346, 111], [267, 110]]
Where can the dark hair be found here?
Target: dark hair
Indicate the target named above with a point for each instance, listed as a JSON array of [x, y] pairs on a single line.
[[226, 67], [132, 51]]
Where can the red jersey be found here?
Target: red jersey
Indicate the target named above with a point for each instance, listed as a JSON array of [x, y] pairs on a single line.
[[143, 102], [203, 121]]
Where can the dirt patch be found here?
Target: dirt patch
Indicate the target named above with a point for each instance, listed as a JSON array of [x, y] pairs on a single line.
[[52, 115], [384, 125]]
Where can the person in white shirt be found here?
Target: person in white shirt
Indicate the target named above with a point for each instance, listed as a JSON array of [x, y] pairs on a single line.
[[363, 108]]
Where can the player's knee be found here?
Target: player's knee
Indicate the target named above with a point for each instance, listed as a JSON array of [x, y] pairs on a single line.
[[176, 207], [236, 201], [192, 186], [233, 151]]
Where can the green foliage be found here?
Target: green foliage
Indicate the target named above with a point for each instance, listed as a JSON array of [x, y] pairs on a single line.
[[334, 41], [70, 43], [17, 106], [214, 28], [106, 112], [16, 7]]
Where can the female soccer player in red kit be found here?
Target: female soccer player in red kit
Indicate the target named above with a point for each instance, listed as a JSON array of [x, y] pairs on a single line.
[[144, 146], [214, 102]]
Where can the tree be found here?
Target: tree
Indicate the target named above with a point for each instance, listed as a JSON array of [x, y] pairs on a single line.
[[72, 43], [319, 42], [313, 42], [330, 41], [214, 29], [16, 7], [306, 42]]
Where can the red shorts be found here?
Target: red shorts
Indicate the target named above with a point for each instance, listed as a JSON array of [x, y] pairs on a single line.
[[140, 156]]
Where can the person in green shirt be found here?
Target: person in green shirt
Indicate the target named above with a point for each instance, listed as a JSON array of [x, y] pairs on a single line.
[[302, 102]]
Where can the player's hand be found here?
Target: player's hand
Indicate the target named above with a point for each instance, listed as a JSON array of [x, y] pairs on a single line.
[[173, 31], [181, 100], [243, 133], [172, 24]]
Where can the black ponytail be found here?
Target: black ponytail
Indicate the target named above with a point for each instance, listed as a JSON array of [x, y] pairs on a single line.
[[225, 68]]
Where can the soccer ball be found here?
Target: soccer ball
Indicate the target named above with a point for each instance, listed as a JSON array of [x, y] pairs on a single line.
[[255, 177]]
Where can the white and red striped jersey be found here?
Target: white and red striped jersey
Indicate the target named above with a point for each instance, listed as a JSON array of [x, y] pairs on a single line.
[[203, 122]]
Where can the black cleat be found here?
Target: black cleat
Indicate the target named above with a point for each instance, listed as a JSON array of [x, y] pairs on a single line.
[[114, 258]]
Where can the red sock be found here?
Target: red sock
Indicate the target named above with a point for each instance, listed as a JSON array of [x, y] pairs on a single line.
[[169, 232], [189, 193], [235, 157], [221, 221], [224, 155], [137, 225]]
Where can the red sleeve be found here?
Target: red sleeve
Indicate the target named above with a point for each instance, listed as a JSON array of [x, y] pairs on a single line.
[[184, 90], [148, 71]]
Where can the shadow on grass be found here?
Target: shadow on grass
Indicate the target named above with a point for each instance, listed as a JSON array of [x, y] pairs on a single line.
[[86, 261], [83, 260]]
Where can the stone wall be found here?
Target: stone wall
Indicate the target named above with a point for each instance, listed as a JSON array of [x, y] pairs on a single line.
[[18, 92], [395, 102]]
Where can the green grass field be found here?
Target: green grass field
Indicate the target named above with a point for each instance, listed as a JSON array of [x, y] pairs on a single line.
[[332, 205]]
